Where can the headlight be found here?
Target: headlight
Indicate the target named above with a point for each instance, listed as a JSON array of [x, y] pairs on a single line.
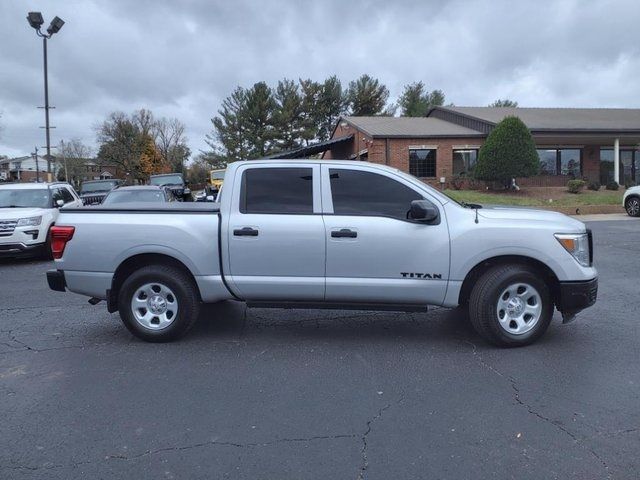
[[577, 244], [29, 222]]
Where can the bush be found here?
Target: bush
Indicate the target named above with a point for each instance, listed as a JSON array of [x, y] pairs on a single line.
[[508, 152], [595, 186], [612, 185], [575, 186]]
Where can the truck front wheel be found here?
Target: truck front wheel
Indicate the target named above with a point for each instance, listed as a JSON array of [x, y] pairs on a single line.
[[158, 303], [510, 306]]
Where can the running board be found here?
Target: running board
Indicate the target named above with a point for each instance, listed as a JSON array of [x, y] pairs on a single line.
[[390, 307]]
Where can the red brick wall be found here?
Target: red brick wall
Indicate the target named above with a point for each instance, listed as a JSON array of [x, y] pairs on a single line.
[[395, 152]]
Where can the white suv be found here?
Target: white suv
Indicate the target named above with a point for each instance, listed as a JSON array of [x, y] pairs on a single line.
[[27, 211], [631, 201]]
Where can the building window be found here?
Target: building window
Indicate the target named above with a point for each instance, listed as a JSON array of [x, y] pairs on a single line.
[[422, 162], [464, 160], [560, 161], [570, 163], [629, 166]]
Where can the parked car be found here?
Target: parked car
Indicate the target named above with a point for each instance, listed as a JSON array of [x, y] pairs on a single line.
[[92, 192], [327, 234], [27, 212], [139, 194], [175, 182], [204, 196], [631, 201]]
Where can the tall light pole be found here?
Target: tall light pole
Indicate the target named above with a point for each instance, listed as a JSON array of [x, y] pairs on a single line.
[[35, 20]]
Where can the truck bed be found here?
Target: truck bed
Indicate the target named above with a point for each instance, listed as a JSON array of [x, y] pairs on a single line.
[[107, 236]]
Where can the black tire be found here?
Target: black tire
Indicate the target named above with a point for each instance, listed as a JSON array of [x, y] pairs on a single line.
[[186, 293], [47, 254], [483, 305], [632, 206]]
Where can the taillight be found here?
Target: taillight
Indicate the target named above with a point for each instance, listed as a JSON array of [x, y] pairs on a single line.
[[59, 238]]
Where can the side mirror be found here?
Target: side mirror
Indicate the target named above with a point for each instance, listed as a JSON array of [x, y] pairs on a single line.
[[59, 203], [210, 198], [423, 211]]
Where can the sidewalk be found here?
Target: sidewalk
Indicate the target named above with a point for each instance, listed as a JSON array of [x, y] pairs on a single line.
[[600, 217]]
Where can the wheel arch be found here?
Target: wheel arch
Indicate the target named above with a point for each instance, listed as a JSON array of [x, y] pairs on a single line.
[[133, 263], [478, 270]]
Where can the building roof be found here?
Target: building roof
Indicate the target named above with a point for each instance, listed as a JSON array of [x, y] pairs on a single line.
[[409, 127], [312, 149], [557, 119]]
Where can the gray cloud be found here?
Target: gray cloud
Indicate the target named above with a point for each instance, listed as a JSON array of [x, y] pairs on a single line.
[[182, 58]]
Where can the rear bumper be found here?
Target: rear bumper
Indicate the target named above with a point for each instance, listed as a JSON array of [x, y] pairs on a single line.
[[576, 296], [21, 249], [56, 280]]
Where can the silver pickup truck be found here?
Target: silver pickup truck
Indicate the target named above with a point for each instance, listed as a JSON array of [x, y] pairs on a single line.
[[326, 234]]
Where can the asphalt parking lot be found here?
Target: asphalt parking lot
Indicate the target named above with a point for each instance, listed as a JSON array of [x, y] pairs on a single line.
[[278, 394]]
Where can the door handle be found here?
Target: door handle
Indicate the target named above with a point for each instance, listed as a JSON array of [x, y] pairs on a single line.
[[245, 232], [344, 233]]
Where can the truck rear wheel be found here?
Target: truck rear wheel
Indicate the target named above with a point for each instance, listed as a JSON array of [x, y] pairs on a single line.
[[510, 306], [158, 303]]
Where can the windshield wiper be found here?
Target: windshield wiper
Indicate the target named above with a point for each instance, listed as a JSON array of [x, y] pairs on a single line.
[[15, 206]]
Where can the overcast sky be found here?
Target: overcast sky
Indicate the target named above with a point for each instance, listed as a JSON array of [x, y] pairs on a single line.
[[181, 58]]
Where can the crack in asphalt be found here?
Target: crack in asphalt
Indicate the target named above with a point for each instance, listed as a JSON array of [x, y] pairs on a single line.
[[227, 444], [516, 395], [363, 452]]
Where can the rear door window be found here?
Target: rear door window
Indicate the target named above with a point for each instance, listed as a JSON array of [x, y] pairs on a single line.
[[277, 191]]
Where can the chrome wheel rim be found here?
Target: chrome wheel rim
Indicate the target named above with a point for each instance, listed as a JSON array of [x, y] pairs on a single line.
[[154, 306], [633, 207], [519, 308]]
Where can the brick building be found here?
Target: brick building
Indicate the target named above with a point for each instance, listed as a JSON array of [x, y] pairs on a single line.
[[571, 142]]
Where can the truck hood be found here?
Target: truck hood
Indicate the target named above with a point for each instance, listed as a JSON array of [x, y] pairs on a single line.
[[20, 212], [504, 212]]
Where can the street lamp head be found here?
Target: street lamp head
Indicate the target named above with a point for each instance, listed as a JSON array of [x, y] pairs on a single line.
[[55, 25], [35, 20]]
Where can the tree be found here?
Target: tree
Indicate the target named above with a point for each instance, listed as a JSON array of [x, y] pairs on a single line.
[[198, 170], [416, 101], [151, 161], [288, 116], [259, 119], [508, 152], [229, 127], [121, 143], [74, 156], [504, 103], [367, 96], [330, 105], [171, 142]]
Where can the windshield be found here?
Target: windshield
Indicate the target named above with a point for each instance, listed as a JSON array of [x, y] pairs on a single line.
[[32, 197], [166, 180], [124, 196], [97, 187], [217, 175]]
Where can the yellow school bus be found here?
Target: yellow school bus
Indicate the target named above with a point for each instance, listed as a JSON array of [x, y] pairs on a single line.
[[216, 178]]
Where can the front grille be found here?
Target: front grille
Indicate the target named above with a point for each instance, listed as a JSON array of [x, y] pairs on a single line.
[[590, 242], [7, 227], [92, 199]]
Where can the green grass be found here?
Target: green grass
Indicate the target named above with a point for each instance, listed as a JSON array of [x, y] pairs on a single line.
[[536, 197]]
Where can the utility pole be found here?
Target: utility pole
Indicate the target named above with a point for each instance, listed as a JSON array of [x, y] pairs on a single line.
[[37, 167], [64, 159]]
